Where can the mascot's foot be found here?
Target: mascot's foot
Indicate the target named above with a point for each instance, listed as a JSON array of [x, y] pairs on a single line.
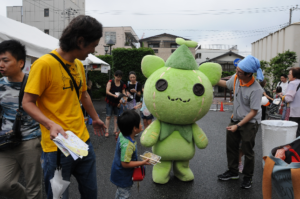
[[182, 171], [161, 172]]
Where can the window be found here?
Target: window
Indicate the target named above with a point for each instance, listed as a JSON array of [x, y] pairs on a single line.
[[173, 50], [174, 45], [153, 45], [46, 12], [110, 36], [46, 31], [155, 50], [198, 56]]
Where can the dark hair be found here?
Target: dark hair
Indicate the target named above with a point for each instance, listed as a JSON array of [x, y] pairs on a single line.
[[132, 73], [263, 83], [118, 73], [127, 120], [296, 72], [283, 75], [278, 89], [15, 48], [81, 26], [121, 95]]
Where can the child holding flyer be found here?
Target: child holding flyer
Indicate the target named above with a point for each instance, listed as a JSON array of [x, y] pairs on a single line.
[[125, 158]]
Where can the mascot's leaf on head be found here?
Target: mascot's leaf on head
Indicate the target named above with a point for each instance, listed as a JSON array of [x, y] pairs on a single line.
[[177, 93]]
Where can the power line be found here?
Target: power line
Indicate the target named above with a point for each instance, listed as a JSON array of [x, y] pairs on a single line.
[[197, 12]]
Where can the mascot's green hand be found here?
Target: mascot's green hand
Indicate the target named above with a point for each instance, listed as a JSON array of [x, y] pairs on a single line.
[[151, 134], [199, 136]]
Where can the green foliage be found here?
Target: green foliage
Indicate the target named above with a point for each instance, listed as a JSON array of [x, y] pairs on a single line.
[[128, 60], [101, 79], [277, 66], [106, 58], [227, 73]]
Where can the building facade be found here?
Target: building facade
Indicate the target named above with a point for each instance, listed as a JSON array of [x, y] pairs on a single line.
[[50, 16], [163, 45], [122, 37], [278, 42], [207, 52]]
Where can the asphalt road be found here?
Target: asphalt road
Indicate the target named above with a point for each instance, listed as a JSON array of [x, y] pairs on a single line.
[[206, 165]]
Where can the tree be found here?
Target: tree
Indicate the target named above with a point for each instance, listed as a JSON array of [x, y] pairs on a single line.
[[277, 66], [129, 59]]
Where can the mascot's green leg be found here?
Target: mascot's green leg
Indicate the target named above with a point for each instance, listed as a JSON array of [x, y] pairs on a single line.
[[182, 170], [161, 172]]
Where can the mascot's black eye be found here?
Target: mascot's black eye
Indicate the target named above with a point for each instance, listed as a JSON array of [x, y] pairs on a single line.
[[161, 85], [198, 89]]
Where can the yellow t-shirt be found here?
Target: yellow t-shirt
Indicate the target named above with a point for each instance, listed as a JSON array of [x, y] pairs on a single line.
[[57, 96]]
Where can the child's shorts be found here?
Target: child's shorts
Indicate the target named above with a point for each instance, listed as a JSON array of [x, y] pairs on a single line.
[[150, 117], [123, 193]]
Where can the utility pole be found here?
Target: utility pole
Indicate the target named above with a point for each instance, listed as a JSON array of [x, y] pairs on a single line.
[[291, 12]]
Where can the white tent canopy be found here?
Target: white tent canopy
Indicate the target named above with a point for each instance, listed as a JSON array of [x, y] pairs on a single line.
[[37, 43]]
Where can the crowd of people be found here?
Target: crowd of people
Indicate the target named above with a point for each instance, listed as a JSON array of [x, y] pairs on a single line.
[[51, 105]]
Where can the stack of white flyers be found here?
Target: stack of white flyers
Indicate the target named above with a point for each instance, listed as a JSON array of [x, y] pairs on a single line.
[[73, 145]]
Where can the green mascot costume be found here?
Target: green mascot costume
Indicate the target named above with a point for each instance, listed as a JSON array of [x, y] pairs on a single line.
[[177, 93]]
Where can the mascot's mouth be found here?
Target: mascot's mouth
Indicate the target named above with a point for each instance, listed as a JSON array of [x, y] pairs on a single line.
[[178, 99]]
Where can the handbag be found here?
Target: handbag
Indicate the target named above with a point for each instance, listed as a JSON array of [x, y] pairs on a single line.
[[138, 173], [282, 175], [13, 138]]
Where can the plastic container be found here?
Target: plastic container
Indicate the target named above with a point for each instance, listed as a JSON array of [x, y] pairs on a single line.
[[151, 156], [276, 133]]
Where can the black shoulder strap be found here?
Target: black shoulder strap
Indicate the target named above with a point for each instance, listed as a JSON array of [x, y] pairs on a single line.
[[279, 84], [112, 82], [298, 87], [68, 71], [21, 94]]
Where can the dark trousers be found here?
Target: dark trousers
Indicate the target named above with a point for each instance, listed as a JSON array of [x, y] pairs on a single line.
[[247, 134], [297, 120], [263, 112], [84, 170]]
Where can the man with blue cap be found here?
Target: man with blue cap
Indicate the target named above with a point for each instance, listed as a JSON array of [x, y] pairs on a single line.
[[245, 119]]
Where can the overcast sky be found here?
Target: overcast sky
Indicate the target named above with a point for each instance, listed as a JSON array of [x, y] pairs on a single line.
[[231, 22]]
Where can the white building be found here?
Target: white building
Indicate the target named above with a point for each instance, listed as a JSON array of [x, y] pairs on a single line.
[[219, 53], [287, 38], [50, 16]]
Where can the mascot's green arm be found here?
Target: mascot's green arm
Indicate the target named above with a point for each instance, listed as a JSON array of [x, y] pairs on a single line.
[[199, 136], [151, 134]]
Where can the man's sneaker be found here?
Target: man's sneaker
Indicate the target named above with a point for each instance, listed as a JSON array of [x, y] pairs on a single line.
[[228, 176], [241, 167], [247, 182]]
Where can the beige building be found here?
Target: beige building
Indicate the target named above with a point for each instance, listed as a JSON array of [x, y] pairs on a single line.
[[287, 38], [163, 45], [50, 16], [122, 37]]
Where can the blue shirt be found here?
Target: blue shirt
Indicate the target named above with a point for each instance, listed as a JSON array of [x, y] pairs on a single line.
[[126, 151], [9, 102]]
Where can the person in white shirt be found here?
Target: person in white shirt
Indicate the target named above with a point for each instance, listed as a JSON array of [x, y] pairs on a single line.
[[283, 84]]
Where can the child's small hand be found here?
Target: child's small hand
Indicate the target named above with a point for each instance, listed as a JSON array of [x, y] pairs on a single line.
[[146, 162]]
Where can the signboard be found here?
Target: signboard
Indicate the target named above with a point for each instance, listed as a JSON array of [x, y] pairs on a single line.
[[236, 62], [104, 69]]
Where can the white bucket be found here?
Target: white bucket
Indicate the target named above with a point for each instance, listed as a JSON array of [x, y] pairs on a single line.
[[276, 133]]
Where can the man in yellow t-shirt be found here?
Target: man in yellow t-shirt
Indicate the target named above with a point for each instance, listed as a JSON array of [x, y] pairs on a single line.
[[51, 98]]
